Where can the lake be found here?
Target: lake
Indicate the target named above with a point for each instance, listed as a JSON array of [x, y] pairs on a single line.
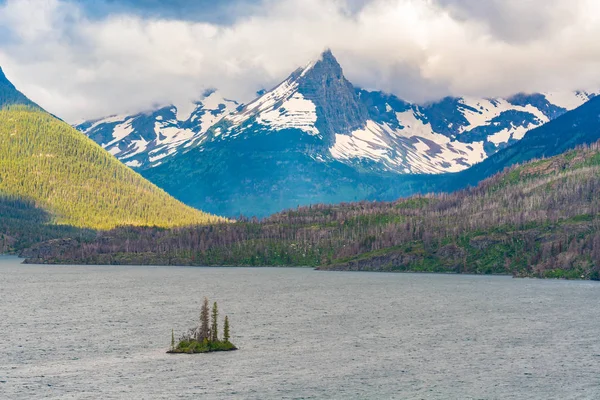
[[78, 332]]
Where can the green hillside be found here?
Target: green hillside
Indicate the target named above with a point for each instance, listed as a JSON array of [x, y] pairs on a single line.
[[47, 162], [22, 224], [539, 219]]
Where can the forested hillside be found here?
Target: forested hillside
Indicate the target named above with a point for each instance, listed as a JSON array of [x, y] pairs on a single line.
[[22, 224], [538, 219], [46, 162]]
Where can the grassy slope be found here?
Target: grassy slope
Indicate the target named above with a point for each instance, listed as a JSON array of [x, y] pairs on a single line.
[[48, 162]]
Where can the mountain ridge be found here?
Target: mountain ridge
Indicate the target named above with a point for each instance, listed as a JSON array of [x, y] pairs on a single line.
[[363, 129], [296, 145]]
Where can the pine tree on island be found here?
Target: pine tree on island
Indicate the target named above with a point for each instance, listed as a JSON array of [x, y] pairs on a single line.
[[226, 330], [204, 330], [205, 337], [214, 328]]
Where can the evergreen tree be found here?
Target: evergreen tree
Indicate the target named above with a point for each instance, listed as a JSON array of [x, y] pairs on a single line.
[[204, 329], [226, 336], [214, 329], [172, 340]]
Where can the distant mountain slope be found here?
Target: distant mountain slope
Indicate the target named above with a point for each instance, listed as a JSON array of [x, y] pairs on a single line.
[[148, 139], [577, 127], [538, 219], [369, 131], [261, 175], [316, 138], [73, 180]]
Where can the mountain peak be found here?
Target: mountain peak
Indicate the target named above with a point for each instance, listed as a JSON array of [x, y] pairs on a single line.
[[317, 99], [338, 107], [328, 57], [326, 61]]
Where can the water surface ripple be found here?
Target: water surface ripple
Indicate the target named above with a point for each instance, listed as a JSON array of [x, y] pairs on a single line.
[[82, 332]]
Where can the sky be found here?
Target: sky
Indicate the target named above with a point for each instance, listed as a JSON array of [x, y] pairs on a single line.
[[86, 59]]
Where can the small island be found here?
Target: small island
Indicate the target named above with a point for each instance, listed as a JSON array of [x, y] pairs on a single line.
[[205, 337]]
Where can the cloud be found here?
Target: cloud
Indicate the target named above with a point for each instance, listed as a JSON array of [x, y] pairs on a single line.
[[79, 65]]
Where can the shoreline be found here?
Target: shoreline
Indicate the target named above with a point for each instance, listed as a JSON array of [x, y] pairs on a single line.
[[316, 269]]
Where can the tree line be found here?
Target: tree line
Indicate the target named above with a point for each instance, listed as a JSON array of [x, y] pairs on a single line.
[[536, 219]]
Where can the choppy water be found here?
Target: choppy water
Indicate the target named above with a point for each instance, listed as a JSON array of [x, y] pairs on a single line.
[[101, 332]]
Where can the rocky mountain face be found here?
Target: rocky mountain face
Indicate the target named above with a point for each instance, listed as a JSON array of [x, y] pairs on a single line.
[[317, 100], [316, 138], [338, 107]]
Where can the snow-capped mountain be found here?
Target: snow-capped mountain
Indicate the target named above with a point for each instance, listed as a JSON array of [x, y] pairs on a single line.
[[366, 130], [446, 136], [316, 99], [145, 140], [316, 138]]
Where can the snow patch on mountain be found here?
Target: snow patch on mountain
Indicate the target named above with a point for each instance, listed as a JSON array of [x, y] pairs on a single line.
[[266, 102], [488, 109], [114, 150], [569, 100], [133, 164], [364, 143], [162, 132], [160, 155], [283, 107], [170, 135], [414, 126], [296, 112], [466, 130], [184, 111], [108, 120], [136, 147], [436, 152], [215, 107], [120, 131], [415, 148], [501, 137]]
